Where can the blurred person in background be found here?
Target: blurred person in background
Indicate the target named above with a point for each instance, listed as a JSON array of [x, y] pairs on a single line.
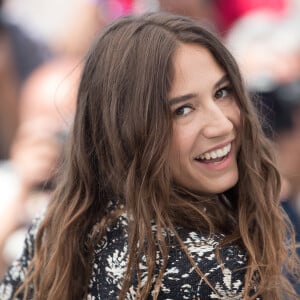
[[268, 50], [220, 15], [203, 11], [40, 102], [112, 9], [281, 109], [8, 94], [66, 27], [229, 12], [19, 55], [46, 109]]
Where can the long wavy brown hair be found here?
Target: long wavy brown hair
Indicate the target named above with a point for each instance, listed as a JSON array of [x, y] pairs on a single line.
[[119, 149]]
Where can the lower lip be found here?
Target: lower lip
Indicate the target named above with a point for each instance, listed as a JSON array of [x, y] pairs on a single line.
[[218, 165]]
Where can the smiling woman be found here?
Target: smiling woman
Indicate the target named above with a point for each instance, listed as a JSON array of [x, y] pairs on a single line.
[[169, 188]]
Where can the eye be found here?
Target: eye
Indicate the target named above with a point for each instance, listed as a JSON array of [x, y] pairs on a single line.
[[224, 92], [183, 110]]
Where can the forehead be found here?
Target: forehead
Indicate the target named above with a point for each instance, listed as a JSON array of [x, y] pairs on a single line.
[[194, 67]]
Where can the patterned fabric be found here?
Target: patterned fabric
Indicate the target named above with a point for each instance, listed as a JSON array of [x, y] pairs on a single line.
[[180, 280]]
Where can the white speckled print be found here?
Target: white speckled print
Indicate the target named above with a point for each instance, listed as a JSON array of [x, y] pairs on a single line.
[[180, 280]]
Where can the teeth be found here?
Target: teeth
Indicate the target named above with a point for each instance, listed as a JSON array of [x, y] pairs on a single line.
[[213, 154], [206, 156], [216, 153]]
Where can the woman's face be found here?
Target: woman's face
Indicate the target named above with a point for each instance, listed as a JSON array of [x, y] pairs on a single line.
[[206, 120]]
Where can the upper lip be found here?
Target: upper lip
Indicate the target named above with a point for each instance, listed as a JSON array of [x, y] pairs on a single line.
[[216, 147]]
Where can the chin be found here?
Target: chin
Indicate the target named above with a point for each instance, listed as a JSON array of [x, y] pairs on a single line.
[[224, 188], [218, 187]]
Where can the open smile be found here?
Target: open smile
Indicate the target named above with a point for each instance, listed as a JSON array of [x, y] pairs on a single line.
[[215, 156]]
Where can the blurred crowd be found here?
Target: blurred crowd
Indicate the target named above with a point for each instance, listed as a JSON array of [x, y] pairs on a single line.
[[42, 46]]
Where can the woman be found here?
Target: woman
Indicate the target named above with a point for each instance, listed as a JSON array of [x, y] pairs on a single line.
[[169, 190]]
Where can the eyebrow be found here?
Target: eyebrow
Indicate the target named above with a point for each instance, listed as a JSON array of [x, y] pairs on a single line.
[[221, 81], [189, 96], [182, 98]]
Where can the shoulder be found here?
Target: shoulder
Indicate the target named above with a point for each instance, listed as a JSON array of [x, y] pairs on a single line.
[[16, 273]]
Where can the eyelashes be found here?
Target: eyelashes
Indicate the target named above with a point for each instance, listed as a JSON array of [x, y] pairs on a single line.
[[185, 109], [224, 92]]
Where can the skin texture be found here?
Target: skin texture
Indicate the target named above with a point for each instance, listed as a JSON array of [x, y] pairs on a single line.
[[207, 118]]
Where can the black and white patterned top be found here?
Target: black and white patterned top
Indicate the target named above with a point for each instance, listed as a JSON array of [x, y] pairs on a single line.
[[180, 280]]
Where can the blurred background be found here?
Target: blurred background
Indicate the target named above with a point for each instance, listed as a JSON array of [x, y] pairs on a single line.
[[42, 45]]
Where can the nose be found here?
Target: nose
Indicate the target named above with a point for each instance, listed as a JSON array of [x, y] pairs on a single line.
[[216, 122]]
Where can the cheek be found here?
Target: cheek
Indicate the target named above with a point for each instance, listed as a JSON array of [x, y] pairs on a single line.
[[238, 122], [176, 144], [232, 112], [236, 116], [179, 148], [182, 139]]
